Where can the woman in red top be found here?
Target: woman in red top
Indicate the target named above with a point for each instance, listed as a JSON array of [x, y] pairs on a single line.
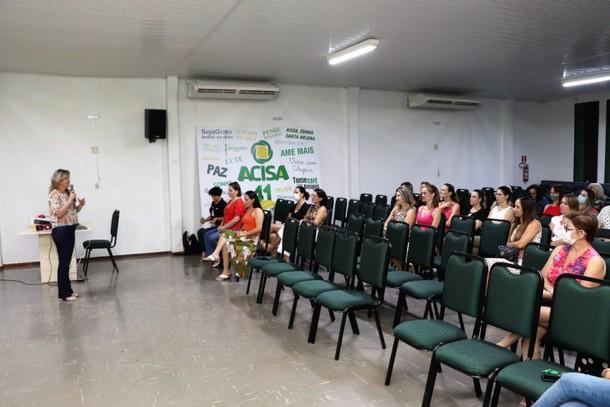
[[553, 209], [232, 215], [238, 246]]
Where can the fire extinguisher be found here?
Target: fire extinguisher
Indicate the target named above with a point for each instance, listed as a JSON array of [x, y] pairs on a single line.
[[525, 168]]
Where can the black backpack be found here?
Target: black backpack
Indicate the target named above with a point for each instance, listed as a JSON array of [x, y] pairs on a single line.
[[190, 244]]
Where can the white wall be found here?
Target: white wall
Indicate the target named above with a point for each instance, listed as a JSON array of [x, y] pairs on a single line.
[[545, 133], [44, 126], [397, 144], [322, 108]]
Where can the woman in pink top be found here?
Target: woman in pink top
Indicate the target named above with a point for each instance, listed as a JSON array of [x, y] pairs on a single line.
[[578, 257], [429, 214], [449, 205]]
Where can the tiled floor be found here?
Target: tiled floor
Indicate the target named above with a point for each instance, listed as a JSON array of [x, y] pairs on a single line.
[[164, 333]]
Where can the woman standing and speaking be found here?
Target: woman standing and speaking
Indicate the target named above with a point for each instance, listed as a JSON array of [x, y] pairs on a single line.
[[64, 218]]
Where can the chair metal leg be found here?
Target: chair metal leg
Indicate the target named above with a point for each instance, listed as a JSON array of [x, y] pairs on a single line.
[[461, 321], [399, 305], [249, 280], [293, 311], [442, 316], [379, 330], [86, 261], [388, 374], [496, 395], [432, 372], [313, 328], [340, 339], [437, 314], [113, 262], [353, 322], [261, 288], [276, 299], [332, 315], [489, 388], [477, 386]]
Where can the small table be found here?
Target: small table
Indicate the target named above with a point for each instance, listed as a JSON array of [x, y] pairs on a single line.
[[47, 254]]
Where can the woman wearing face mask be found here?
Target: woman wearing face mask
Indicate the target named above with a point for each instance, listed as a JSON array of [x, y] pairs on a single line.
[[299, 210], [586, 199], [568, 204], [553, 209], [501, 209], [578, 257]]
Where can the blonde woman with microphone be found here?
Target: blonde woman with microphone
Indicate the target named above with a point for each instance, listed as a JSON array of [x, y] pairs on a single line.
[[63, 210]]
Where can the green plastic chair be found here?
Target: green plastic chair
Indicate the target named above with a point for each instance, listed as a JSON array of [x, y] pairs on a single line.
[[373, 227], [493, 234], [289, 244], [463, 224], [601, 246], [353, 207], [505, 310], [431, 290], [398, 236], [587, 333], [381, 211], [345, 253], [535, 256], [340, 211], [373, 270], [258, 261], [367, 209], [324, 246], [420, 255], [463, 292], [90, 245]]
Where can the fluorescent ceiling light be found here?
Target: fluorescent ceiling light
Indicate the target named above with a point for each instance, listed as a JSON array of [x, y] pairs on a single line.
[[93, 116], [353, 51], [579, 80]]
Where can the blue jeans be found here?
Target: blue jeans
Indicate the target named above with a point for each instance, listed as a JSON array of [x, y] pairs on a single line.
[[576, 390], [210, 239], [201, 233]]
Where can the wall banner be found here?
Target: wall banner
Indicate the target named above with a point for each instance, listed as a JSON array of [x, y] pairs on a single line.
[[269, 161]]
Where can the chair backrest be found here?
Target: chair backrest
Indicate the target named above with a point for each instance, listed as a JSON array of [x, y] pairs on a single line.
[[330, 203], [374, 261], [393, 201], [325, 245], [266, 230], [513, 300], [580, 316], [289, 238], [340, 209], [114, 227], [440, 232], [373, 227], [306, 241], [545, 237], [454, 242], [367, 209], [493, 234], [535, 256], [421, 246], [463, 224], [601, 246], [381, 200], [398, 236], [489, 194], [355, 223], [345, 253], [464, 286], [282, 209], [545, 220], [353, 206], [381, 211], [464, 200], [366, 197]]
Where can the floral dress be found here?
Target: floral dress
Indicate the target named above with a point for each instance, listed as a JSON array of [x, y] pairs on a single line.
[[242, 248]]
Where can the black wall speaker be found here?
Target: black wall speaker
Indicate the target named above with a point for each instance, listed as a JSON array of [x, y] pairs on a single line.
[[155, 126]]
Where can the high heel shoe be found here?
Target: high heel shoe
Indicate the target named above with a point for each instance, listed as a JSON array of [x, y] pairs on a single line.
[[223, 277], [213, 259]]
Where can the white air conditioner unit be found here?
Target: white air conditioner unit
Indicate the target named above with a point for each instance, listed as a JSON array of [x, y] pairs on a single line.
[[427, 101], [232, 90]]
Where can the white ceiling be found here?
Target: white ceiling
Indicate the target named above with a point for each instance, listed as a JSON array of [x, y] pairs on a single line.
[[502, 49]]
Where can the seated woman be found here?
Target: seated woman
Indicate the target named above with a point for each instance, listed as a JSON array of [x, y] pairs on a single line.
[[600, 194], [501, 209], [449, 205], [298, 212], [535, 192], [568, 204], [477, 210], [578, 257], [556, 193], [429, 214], [525, 229], [232, 214], [404, 208], [577, 390], [586, 199], [603, 219], [239, 246], [317, 211]]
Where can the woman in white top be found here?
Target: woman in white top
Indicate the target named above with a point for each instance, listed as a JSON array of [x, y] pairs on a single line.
[[501, 209], [568, 204]]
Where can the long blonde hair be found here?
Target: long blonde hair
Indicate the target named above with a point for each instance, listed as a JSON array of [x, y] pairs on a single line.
[[58, 176]]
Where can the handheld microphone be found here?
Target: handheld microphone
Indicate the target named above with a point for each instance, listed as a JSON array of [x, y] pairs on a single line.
[[71, 189]]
